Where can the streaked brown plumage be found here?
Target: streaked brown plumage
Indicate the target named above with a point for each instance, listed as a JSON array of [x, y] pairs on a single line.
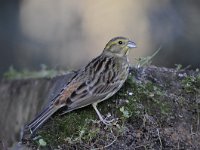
[[95, 82]]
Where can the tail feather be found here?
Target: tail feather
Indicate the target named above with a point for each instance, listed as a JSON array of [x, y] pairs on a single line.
[[40, 119]]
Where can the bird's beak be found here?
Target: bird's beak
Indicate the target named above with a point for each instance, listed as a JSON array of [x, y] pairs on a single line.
[[131, 44]]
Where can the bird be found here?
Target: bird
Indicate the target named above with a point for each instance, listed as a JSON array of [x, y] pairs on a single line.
[[100, 79]]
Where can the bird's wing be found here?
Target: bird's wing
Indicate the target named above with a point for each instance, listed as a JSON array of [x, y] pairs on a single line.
[[98, 81], [86, 94], [59, 83]]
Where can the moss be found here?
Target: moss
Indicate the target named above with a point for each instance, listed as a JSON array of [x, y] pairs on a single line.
[[76, 128], [57, 129], [191, 87], [26, 74], [135, 99], [146, 98], [191, 84], [82, 125]]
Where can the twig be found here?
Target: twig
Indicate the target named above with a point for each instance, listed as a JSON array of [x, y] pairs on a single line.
[[106, 146], [159, 139]]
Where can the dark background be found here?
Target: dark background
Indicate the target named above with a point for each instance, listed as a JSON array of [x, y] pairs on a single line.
[[67, 34]]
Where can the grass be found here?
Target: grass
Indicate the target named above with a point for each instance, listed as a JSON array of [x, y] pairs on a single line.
[[12, 73]]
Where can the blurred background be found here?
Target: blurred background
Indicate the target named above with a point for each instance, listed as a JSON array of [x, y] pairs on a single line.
[[67, 34]]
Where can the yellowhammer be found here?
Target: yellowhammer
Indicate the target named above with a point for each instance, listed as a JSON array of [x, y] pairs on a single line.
[[97, 81]]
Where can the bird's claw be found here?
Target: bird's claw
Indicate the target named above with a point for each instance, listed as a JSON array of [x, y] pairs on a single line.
[[108, 122]]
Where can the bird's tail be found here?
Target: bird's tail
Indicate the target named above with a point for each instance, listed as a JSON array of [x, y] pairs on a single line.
[[40, 119]]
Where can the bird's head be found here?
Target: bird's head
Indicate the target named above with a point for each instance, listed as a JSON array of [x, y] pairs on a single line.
[[119, 46]]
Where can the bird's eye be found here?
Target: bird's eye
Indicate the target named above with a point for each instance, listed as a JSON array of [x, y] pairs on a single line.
[[120, 42]]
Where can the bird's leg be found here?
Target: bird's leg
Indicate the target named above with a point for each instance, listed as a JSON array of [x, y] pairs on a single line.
[[30, 130], [106, 122]]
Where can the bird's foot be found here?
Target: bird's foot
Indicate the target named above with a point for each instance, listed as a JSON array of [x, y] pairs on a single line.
[[108, 121]]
